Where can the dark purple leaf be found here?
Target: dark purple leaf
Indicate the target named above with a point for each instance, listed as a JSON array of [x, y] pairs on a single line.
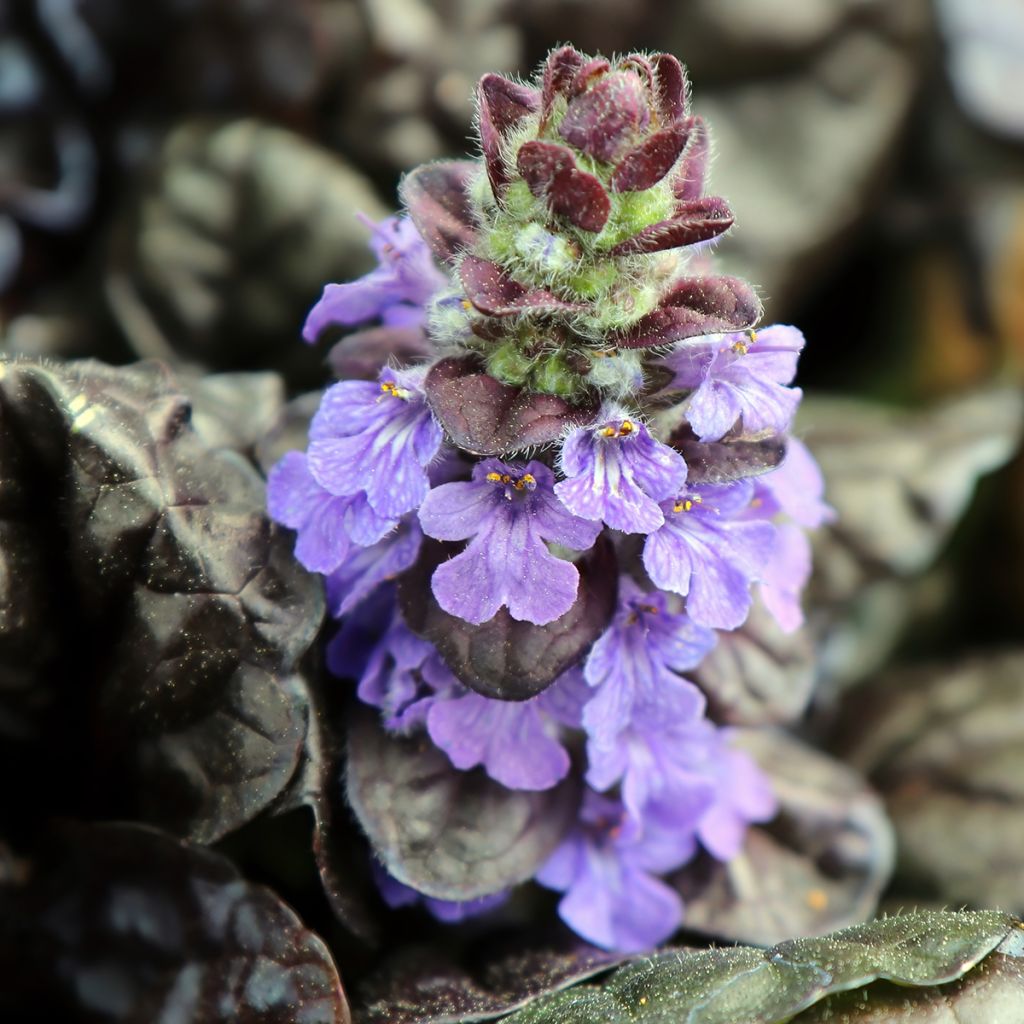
[[559, 73], [502, 105], [695, 221], [550, 171], [758, 674], [606, 120], [648, 163], [821, 864], [695, 306], [423, 986], [688, 179], [183, 611], [505, 658], [732, 458], [360, 356], [671, 88], [485, 417], [436, 197], [122, 923], [450, 834], [493, 292]]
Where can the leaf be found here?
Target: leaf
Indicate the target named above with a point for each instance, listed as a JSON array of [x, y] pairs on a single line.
[[695, 305], [645, 165], [502, 105], [504, 658], [219, 257], [772, 986], [123, 923], [758, 674], [450, 834], [900, 481], [495, 293], [485, 417], [821, 864], [436, 196], [732, 458], [183, 610], [551, 173], [423, 986], [945, 744]]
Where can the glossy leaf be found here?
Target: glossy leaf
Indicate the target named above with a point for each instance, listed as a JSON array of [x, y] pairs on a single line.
[[505, 658], [450, 834], [773, 986], [187, 612], [122, 923], [485, 417]]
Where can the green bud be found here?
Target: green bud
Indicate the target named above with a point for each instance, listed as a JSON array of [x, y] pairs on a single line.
[[553, 377], [507, 364]]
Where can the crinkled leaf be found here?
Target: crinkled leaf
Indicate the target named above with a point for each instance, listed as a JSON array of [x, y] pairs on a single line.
[[485, 417], [360, 355], [551, 173], [230, 243], [185, 612], [820, 864], [503, 657], [235, 410], [694, 306], [648, 163], [930, 950], [605, 120], [758, 674], [495, 293], [123, 923], [945, 747], [560, 71], [688, 177], [732, 458], [436, 196], [450, 834], [422, 986]]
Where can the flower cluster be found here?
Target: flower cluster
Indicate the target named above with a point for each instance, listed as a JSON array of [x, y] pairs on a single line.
[[585, 386]]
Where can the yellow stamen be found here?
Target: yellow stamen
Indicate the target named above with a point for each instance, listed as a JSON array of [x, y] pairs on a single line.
[[494, 478], [467, 305], [607, 431], [528, 479], [626, 429]]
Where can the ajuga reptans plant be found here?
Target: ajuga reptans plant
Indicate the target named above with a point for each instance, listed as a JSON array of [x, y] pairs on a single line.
[[568, 473]]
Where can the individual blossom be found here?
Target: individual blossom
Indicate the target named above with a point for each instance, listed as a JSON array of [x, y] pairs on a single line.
[[617, 473], [709, 553], [508, 513], [796, 488], [607, 868], [396, 292], [377, 440], [516, 742], [327, 525], [739, 377], [636, 660], [785, 575]]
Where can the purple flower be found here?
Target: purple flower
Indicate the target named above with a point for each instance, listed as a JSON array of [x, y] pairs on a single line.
[[661, 758], [326, 524], [507, 513], [376, 440], [403, 675], [795, 488], [364, 569], [397, 894], [739, 376], [396, 292], [617, 473], [515, 741], [605, 867], [743, 796], [785, 575], [709, 553], [636, 660]]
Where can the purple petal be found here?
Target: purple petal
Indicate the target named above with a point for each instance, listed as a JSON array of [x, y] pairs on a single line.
[[785, 575], [292, 493], [744, 796], [797, 487], [508, 738]]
